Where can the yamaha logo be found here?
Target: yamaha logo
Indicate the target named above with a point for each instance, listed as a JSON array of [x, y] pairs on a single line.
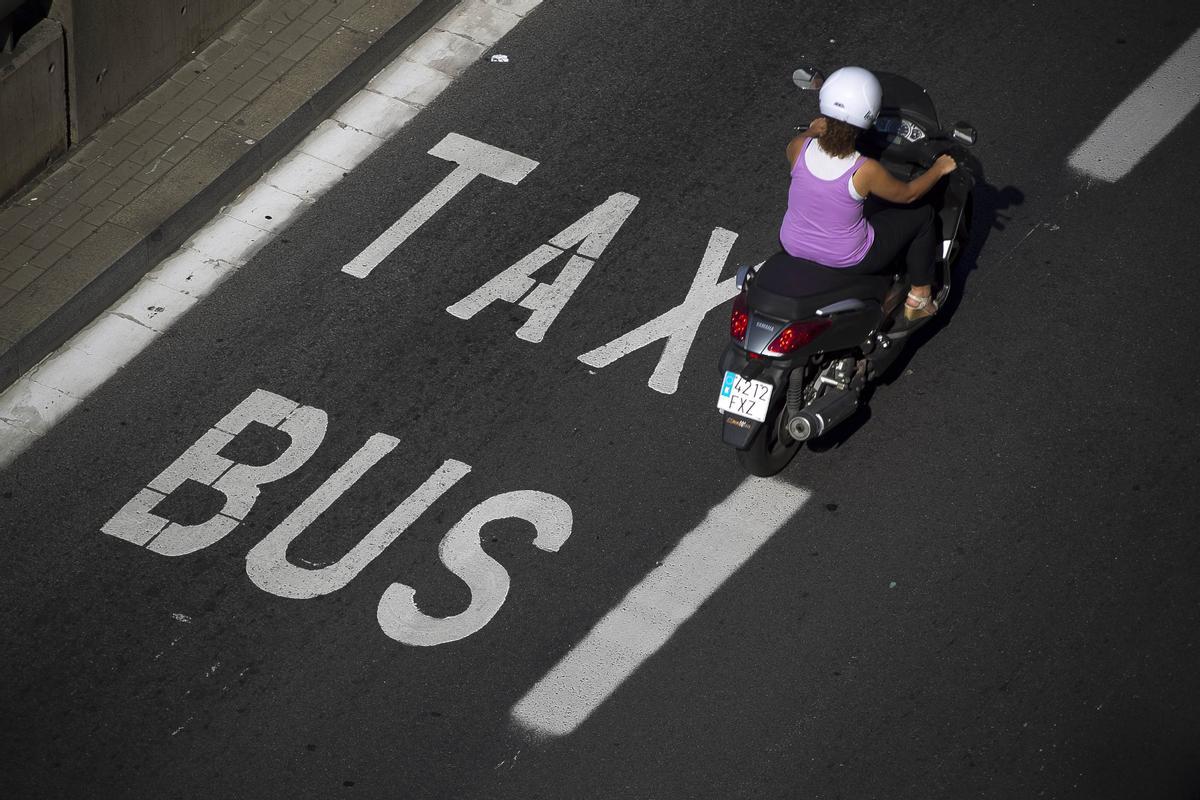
[[764, 326]]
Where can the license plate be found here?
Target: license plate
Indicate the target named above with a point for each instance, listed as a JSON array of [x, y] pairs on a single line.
[[746, 398]]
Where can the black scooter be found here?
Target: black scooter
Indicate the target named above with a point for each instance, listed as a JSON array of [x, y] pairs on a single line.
[[806, 340]]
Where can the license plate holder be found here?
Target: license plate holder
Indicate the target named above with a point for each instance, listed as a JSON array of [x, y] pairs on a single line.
[[745, 397]]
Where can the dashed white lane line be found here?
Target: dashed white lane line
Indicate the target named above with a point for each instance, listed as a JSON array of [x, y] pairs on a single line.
[[1145, 118], [48, 392], [639, 625]]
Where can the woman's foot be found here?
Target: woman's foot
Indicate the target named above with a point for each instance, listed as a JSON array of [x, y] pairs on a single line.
[[918, 307]]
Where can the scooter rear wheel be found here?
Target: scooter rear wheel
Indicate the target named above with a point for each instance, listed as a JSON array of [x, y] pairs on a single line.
[[771, 450]]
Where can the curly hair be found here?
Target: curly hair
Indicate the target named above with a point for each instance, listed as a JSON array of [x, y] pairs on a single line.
[[839, 138]]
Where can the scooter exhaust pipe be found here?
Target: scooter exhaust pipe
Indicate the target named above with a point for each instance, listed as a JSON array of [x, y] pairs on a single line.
[[830, 409]]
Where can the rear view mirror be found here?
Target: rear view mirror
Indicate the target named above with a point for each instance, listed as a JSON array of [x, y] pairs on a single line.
[[964, 132], [808, 78]]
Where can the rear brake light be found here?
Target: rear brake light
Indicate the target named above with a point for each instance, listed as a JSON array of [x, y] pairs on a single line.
[[797, 335], [739, 319]]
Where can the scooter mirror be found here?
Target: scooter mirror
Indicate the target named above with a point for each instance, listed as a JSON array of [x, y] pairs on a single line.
[[965, 132], [808, 78], [745, 275]]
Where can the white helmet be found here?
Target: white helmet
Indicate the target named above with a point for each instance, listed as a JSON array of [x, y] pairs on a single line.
[[853, 95]]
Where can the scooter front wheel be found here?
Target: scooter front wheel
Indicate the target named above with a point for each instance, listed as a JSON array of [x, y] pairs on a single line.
[[771, 450]]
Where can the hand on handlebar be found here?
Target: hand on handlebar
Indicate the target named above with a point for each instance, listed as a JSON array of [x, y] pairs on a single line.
[[945, 164]]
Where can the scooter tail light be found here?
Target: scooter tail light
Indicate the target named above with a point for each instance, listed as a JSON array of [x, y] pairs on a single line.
[[739, 320], [797, 335]]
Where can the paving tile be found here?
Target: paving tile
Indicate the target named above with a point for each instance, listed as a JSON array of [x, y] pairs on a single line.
[[5, 296], [12, 215], [101, 213], [227, 109], [86, 153], [170, 109], [376, 114], [143, 133], [229, 240], [304, 175], [300, 48], [266, 207], [117, 153], [446, 52], [122, 173], [44, 236], [479, 21], [19, 257], [70, 215], [73, 372], [146, 153], [252, 89], [128, 191], [116, 339], [411, 82], [62, 175], [179, 151], [345, 9], [341, 146], [112, 132], [221, 46], [293, 31], [519, 7], [203, 129], [23, 277], [13, 237], [49, 255], [317, 10], [76, 234], [190, 272], [98, 194]]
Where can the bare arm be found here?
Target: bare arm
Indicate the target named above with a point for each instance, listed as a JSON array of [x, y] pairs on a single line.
[[814, 131], [873, 179]]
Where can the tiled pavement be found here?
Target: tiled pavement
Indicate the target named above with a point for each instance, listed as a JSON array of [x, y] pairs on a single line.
[[86, 230]]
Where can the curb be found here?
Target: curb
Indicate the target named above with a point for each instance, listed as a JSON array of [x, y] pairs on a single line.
[[124, 273]]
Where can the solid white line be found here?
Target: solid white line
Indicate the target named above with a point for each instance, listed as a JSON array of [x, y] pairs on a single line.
[[1145, 118], [48, 392], [639, 625]]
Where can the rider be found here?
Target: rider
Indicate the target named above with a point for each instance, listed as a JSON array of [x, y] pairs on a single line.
[[825, 220]]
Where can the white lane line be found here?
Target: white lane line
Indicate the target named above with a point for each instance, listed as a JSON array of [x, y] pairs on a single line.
[[48, 392], [639, 625], [1145, 118]]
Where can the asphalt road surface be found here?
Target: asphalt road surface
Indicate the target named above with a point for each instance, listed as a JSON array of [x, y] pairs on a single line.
[[985, 587]]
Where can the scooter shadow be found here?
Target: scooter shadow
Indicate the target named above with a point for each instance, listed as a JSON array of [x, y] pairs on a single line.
[[990, 205]]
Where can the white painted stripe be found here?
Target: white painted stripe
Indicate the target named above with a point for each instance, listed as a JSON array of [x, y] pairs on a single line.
[[47, 393], [1145, 118], [729, 535]]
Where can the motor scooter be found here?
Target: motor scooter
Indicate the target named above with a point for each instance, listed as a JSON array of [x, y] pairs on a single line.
[[807, 340]]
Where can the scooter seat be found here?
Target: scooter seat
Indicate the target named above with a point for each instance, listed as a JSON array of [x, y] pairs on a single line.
[[794, 288]]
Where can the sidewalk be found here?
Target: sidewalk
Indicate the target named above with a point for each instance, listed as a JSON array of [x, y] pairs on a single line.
[[86, 230]]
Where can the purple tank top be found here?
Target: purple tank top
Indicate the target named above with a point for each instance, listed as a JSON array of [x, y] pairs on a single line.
[[824, 223]]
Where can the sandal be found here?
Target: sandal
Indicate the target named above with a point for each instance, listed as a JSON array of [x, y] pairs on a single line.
[[916, 308]]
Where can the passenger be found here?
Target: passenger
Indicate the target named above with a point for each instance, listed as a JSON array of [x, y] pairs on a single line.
[[825, 220]]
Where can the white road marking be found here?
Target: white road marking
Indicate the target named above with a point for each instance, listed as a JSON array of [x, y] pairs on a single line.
[[136, 521], [1145, 118], [487, 579], [473, 158], [30, 408], [645, 620], [678, 326], [592, 233], [267, 563]]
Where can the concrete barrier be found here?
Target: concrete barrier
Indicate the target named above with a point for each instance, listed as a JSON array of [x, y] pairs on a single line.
[[33, 106], [119, 48]]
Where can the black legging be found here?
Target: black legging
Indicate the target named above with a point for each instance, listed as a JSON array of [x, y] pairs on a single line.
[[897, 227]]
